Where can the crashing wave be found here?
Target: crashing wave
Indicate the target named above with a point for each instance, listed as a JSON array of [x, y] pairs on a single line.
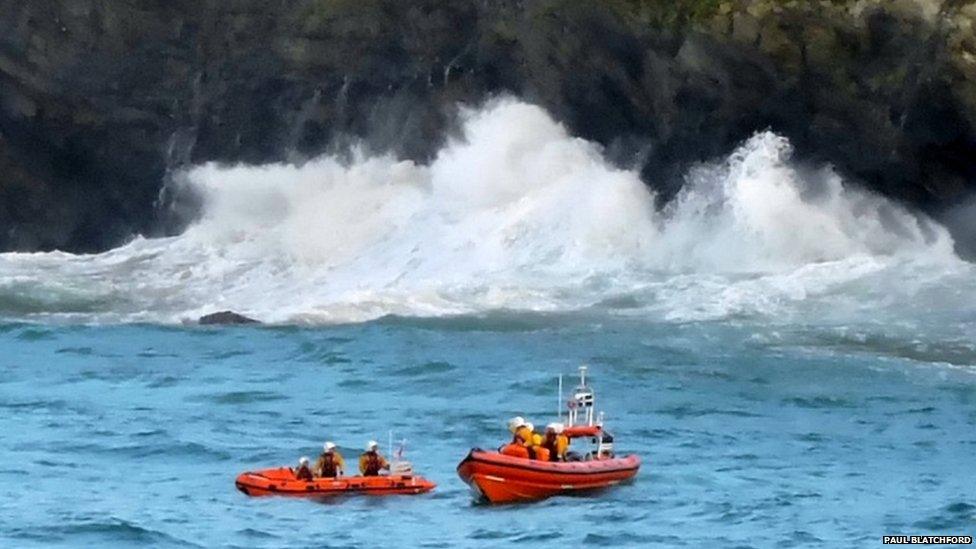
[[517, 215]]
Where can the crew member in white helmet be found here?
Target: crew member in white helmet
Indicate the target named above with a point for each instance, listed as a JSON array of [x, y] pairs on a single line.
[[556, 442], [371, 462], [330, 464], [521, 431], [303, 471]]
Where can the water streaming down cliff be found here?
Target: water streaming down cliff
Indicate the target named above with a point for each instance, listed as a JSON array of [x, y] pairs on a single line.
[[515, 214]]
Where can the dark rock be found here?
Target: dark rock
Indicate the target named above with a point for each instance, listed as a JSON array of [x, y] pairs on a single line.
[[101, 102], [226, 317]]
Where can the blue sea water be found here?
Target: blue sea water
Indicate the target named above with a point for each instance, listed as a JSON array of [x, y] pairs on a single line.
[[793, 358], [751, 434]]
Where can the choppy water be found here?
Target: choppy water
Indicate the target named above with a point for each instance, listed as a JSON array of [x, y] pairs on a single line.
[[516, 214], [752, 435], [794, 358]]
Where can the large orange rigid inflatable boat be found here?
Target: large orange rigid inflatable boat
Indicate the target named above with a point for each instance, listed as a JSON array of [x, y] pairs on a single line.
[[504, 476], [499, 478], [282, 482]]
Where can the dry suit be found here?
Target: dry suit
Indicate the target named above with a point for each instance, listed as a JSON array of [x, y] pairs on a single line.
[[330, 464], [303, 473], [557, 446], [370, 463]]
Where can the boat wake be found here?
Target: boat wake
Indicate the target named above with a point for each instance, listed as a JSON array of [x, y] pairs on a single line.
[[518, 215]]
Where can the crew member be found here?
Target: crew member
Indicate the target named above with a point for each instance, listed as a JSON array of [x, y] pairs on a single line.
[[303, 472], [556, 442], [330, 464], [371, 462], [536, 437], [516, 447], [538, 450], [521, 432]]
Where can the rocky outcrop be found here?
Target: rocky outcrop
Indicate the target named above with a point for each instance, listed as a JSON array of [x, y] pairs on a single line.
[[225, 317], [101, 100]]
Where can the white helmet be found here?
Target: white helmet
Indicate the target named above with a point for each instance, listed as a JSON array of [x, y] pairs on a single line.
[[555, 428], [303, 460], [329, 446], [372, 445], [530, 426], [515, 423]]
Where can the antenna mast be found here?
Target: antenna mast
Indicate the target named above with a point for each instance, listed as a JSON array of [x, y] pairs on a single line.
[[559, 401]]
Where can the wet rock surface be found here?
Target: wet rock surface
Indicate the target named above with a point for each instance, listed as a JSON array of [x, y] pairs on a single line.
[[226, 317], [102, 102]]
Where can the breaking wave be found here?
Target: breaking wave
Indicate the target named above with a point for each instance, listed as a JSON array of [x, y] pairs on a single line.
[[516, 214]]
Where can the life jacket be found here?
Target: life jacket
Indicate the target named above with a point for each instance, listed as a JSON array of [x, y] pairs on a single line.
[[562, 447], [557, 446], [515, 450], [328, 464], [524, 436], [373, 464], [303, 473], [550, 445]]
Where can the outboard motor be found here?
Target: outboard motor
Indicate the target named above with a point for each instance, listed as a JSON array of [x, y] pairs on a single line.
[[398, 465], [404, 468]]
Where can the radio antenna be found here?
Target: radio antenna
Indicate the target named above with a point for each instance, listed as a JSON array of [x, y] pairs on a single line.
[[559, 401]]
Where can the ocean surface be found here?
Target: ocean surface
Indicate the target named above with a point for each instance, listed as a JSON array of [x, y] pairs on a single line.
[[793, 358], [752, 435]]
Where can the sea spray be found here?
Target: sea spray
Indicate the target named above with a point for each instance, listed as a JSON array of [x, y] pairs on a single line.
[[513, 214], [757, 212]]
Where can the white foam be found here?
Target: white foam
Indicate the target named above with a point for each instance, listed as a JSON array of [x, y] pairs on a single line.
[[518, 215]]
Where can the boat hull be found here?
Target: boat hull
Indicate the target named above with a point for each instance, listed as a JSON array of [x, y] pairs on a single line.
[[506, 479], [282, 482]]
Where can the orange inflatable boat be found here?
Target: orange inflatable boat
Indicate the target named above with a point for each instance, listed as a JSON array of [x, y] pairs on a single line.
[[509, 475], [505, 479], [282, 482]]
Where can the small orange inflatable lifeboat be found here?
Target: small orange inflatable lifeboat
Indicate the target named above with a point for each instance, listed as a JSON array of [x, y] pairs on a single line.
[[282, 482]]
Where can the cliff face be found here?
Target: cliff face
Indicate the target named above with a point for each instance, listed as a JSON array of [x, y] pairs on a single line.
[[101, 99]]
